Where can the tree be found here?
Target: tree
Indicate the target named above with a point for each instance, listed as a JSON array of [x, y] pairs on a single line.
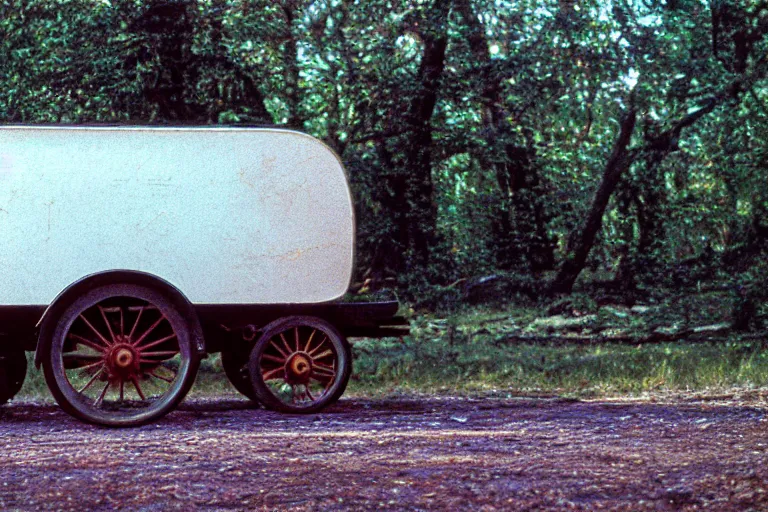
[[481, 138]]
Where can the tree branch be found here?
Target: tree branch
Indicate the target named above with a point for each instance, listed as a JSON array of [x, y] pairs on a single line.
[[581, 244]]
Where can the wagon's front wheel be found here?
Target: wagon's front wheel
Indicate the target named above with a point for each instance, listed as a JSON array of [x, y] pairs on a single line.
[[300, 364], [120, 355]]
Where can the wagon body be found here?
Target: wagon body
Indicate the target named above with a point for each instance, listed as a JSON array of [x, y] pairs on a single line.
[[130, 253], [227, 215]]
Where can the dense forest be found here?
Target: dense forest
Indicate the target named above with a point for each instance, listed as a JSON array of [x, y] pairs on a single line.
[[523, 143]]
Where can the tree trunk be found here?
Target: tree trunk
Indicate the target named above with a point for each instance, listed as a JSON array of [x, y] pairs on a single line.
[[420, 208], [651, 203], [291, 12], [389, 255], [650, 200], [580, 244], [525, 240]]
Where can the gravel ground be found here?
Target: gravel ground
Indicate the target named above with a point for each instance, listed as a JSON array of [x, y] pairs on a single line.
[[401, 453]]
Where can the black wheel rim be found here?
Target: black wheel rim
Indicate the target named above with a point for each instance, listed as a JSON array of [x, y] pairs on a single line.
[[121, 358], [299, 365]]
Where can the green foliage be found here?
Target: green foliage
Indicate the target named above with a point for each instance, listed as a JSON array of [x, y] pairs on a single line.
[[476, 351], [483, 350], [475, 132], [601, 370]]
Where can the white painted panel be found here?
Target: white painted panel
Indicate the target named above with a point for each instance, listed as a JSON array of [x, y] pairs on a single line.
[[227, 215]]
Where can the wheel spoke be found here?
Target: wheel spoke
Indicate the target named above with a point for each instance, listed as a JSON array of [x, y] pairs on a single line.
[[323, 372], [153, 362], [273, 358], [155, 375], [323, 354], [272, 374], [272, 342], [101, 337], [81, 361], [162, 353], [122, 389], [102, 395], [157, 342], [296, 337], [325, 366], [90, 382], [148, 331], [309, 393], [89, 366], [325, 381], [309, 341], [138, 388], [136, 323], [318, 347], [285, 343], [109, 326], [84, 341], [164, 365]]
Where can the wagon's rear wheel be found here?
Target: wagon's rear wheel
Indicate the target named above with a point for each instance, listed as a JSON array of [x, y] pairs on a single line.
[[120, 355], [235, 363], [300, 364], [13, 369]]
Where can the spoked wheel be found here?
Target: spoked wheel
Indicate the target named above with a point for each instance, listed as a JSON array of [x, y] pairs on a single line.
[[120, 355], [235, 363], [300, 364], [13, 369]]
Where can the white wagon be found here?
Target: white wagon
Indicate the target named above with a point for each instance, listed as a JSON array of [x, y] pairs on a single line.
[[129, 253]]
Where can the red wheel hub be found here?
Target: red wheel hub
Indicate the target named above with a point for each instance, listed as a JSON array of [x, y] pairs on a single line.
[[298, 368], [122, 360]]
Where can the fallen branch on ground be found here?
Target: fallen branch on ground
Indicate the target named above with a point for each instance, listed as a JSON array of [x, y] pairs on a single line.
[[706, 333]]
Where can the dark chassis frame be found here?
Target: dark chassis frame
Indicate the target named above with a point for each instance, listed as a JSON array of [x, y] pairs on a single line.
[[224, 325]]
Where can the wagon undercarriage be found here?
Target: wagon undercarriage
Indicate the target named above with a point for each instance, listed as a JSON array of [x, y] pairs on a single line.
[[124, 356]]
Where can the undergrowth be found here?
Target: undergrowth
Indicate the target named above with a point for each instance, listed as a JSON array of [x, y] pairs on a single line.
[[479, 351], [432, 365]]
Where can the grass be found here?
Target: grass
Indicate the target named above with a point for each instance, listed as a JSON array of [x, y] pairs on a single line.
[[474, 352], [470, 353], [430, 365]]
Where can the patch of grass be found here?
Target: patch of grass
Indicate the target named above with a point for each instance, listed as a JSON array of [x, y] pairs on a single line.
[[469, 352], [430, 364], [211, 380], [596, 370], [34, 387]]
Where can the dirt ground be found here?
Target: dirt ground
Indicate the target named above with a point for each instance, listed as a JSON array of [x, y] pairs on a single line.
[[409, 453]]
